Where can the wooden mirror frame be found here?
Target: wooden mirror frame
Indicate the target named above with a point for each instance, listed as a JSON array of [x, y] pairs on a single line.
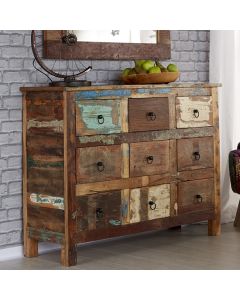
[[106, 51]]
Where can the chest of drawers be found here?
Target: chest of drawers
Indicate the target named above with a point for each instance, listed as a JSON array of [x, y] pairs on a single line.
[[105, 161]]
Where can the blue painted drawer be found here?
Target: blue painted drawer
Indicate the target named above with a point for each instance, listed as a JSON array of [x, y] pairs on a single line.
[[98, 117]]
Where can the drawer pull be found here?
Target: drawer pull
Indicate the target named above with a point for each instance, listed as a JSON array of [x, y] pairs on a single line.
[[151, 116], [152, 205], [99, 213], [196, 113], [149, 159], [100, 119], [196, 155], [100, 166], [199, 198]]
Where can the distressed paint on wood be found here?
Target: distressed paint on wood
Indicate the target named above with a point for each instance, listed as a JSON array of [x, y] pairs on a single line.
[[111, 159], [160, 195], [46, 200], [55, 125], [140, 209], [125, 206], [99, 211], [185, 107], [125, 160], [45, 235], [88, 113], [94, 94], [46, 218], [133, 137]]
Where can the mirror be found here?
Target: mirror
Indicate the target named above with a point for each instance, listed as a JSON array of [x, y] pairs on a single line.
[[108, 45], [117, 36]]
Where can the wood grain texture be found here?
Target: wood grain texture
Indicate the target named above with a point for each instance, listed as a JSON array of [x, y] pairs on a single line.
[[69, 249], [185, 108], [214, 226], [195, 195], [46, 218], [99, 211], [195, 153], [95, 50], [134, 137], [149, 158], [140, 110], [99, 163], [120, 184], [98, 117], [237, 217], [156, 224], [140, 199]]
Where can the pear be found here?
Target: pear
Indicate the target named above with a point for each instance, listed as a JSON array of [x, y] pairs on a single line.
[[139, 62], [139, 70], [132, 71]]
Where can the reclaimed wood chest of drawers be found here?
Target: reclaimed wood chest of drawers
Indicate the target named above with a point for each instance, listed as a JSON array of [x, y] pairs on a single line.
[[105, 161]]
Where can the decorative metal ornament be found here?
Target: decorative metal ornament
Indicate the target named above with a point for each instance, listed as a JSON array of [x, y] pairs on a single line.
[[73, 70]]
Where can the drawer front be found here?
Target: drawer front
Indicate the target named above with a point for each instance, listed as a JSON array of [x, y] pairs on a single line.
[[195, 153], [194, 111], [148, 114], [98, 117], [149, 158], [99, 211], [149, 203], [98, 163], [195, 195]]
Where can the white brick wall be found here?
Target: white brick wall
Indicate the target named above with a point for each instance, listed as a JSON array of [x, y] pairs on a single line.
[[190, 51]]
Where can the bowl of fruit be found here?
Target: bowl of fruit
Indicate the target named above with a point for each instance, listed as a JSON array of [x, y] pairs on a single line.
[[148, 72]]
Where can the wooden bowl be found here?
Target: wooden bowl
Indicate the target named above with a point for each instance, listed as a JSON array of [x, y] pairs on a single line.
[[164, 77]]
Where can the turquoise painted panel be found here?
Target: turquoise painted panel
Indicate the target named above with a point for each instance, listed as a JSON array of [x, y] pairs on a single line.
[[154, 91], [102, 93], [91, 110]]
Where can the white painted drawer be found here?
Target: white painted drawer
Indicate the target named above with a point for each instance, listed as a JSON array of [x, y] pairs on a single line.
[[195, 111]]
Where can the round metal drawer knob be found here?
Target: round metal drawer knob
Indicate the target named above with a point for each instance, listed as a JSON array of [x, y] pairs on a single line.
[[151, 116], [100, 166], [196, 155], [196, 113], [100, 119], [149, 159]]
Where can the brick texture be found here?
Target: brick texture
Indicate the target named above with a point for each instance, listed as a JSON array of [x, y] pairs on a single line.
[[189, 50]]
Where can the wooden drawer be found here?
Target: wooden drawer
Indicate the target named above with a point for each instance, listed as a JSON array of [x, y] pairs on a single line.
[[99, 211], [195, 153], [149, 203], [194, 111], [98, 117], [149, 158], [148, 114], [195, 195], [99, 163]]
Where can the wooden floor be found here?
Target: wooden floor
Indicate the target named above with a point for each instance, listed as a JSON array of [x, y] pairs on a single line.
[[189, 249]]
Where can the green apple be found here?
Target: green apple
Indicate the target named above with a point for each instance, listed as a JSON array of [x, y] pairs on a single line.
[[154, 69], [126, 71], [139, 62], [172, 68], [132, 71], [139, 70], [148, 64], [164, 69]]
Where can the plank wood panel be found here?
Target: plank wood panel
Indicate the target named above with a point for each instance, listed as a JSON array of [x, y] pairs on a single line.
[[194, 111], [45, 218], [141, 208], [195, 153], [149, 158], [98, 211], [146, 136], [214, 226], [156, 224], [139, 114], [195, 195], [99, 163], [98, 117]]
